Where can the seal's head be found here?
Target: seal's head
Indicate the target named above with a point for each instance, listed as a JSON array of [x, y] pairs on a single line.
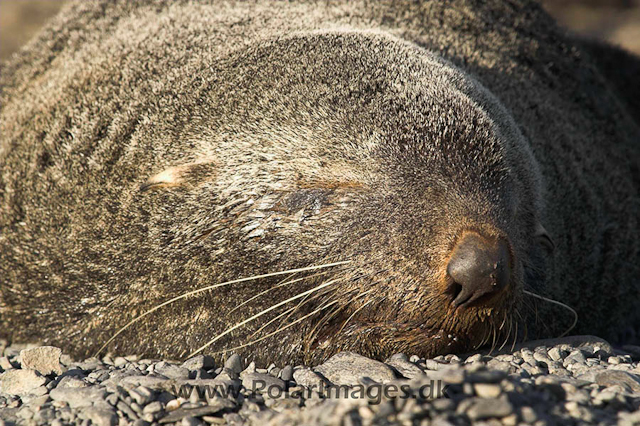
[[443, 215], [364, 148]]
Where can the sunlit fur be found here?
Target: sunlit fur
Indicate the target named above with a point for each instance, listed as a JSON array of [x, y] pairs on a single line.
[[151, 149]]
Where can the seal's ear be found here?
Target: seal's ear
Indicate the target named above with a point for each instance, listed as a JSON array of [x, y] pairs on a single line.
[[543, 237], [185, 175]]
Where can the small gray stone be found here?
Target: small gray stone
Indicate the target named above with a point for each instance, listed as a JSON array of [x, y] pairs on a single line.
[[112, 399], [308, 378], [173, 371], [628, 381], [556, 354], [44, 416], [5, 364], [234, 363], [486, 390], [71, 382], [443, 404], [153, 407], [39, 400], [552, 385], [99, 416], [36, 392], [20, 382], [404, 367], [453, 376], [346, 368], [504, 366], [527, 414], [124, 407], [286, 373], [251, 368], [78, 397], [575, 357], [204, 362], [146, 381], [190, 421], [141, 395], [98, 376], [488, 408], [263, 383], [432, 364], [181, 413], [473, 358], [528, 357], [25, 413], [44, 359], [542, 358], [90, 364], [490, 376]]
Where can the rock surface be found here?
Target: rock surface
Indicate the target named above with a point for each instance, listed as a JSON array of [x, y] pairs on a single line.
[[578, 380], [44, 359]]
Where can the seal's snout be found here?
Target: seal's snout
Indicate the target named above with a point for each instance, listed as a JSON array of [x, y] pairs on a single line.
[[479, 269]]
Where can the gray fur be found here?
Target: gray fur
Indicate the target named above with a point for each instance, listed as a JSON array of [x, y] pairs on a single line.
[[150, 148]]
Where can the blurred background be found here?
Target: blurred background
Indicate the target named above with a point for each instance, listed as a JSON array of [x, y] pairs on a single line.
[[617, 21]]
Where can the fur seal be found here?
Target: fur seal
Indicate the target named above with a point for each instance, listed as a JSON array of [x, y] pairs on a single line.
[[410, 162]]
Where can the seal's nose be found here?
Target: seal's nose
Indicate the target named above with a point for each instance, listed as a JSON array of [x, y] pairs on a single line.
[[479, 267]]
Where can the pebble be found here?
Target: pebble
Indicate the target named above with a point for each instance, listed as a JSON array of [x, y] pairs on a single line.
[[5, 364], [44, 359], [234, 363], [287, 373], [71, 382], [308, 378], [78, 397], [181, 413], [204, 362], [556, 354], [172, 371], [485, 408], [628, 381], [408, 369], [99, 416], [566, 382], [20, 382], [485, 390], [263, 383], [347, 368]]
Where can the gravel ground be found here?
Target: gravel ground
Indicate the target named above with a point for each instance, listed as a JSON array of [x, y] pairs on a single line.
[[575, 380]]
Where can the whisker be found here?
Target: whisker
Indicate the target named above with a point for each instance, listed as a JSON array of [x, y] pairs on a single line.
[[288, 311], [353, 314], [493, 341], [211, 287], [506, 339], [504, 320], [324, 319], [555, 302], [278, 330], [515, 337], [263, 312], [280, 284]]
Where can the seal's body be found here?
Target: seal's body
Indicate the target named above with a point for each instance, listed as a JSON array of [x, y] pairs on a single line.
[[424, 151]]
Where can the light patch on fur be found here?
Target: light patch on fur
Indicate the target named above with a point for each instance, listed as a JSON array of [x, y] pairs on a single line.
[[176, 176]]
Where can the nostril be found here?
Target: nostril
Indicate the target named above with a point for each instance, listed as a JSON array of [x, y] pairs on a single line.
[[478, 267], [453, 289]]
